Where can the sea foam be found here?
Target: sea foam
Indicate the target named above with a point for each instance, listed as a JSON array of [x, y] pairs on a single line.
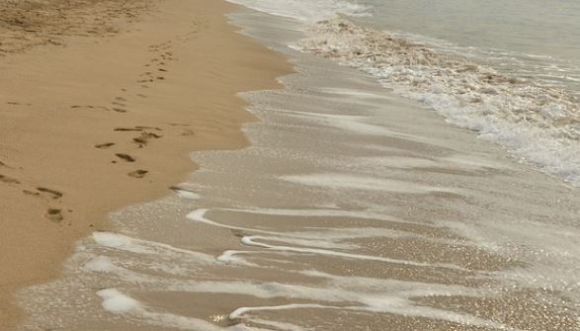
[[538, 123]]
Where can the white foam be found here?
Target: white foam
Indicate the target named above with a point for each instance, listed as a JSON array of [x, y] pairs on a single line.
[[538, 123], [198, 215], [117, 302], [187, 194], [100, 264], [460, 162], [374, 295], [354, 124], [233, 257], [405, 288], [316, 239], [339, 181], [179, 322], [362, 214], [250, 241], [186, 191], [240, 312], [139, 246], [121, 242], [393, 306], [321, 238]]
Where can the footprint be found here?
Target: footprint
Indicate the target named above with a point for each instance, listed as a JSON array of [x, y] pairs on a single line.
[[188, 133], [138, 128], [51, 193], [8, 180], [125, 157], [27, 192], [54, 215], [145, 137], [105, 145], [138, 173], [149, 128], [129, 129], [119, 110]]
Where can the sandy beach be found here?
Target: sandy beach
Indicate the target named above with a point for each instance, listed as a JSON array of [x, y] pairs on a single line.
[[282, 166], [100, 104]]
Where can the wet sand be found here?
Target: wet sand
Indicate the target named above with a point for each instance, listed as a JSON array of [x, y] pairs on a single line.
[[100, 104]]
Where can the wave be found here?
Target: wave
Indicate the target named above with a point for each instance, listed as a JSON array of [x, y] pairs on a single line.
[[305, 10], [536, 122]]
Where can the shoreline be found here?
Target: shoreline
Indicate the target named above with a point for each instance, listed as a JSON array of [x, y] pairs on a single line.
[[350, 208], [105, 122]]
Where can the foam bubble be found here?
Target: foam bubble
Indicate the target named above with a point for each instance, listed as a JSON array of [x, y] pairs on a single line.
[[360, 214], [353, 182], [240, 312], [538, 123], [100, 264], [250, 241], [326, 238], [139, 246], [117, 302], [187, 195], [459, 162], [233, 257], [392, 306]]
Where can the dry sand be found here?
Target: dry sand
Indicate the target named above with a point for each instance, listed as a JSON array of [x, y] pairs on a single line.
[[100, 103]]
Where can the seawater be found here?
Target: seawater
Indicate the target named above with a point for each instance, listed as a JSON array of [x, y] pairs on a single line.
[[353, 209], [509, 71]]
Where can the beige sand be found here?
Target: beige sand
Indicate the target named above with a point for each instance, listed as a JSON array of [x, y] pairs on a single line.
[[100, 103]]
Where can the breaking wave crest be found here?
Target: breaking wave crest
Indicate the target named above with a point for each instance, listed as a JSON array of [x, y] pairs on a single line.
[[538, 123]]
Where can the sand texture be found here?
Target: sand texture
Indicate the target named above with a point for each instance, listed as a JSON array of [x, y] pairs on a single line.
[[100, 104]]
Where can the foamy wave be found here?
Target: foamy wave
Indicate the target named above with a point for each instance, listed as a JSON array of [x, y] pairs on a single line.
[[538, 123], [305, 10]]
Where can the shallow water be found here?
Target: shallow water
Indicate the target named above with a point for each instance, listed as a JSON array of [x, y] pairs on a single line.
[[352, 210], [509, 71], [525, 26]]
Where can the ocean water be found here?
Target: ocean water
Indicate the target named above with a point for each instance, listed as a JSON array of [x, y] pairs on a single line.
[[508, 70], [358, 206]]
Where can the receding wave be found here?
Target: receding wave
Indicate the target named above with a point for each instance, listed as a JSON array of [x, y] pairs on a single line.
[[536, 122], [305, 10]]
